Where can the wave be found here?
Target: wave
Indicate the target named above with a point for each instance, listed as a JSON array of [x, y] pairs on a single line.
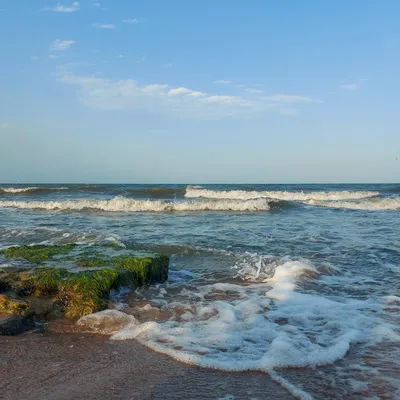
[[156, 192], [192, 192], [122, 204], [33, 189], [368, 205], [262, 324]]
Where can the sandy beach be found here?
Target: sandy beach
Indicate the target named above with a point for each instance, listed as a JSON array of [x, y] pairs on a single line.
[[79, 366]]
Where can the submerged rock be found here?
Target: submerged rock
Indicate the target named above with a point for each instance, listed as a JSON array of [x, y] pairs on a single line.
[[36, 254]]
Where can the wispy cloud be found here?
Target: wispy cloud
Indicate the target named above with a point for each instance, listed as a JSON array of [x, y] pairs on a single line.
[[53, 56], [167, 65], [141, 60], [95, 4], [282, 98], [354, 85], [4, 125], [179, 91], [291, 112], [222, 82], [120, 55], [35, 58], [64, 9], [180, 101], [61, 45], [350, 86], [130, 21], [104, 26], [251, 90]]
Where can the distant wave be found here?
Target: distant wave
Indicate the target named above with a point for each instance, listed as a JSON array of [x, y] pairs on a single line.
[[192, 192], [122, 204], [14, 190], [367, 204], [156, 192]]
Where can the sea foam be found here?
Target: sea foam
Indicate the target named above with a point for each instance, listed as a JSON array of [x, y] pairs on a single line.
[[122, 204], [195, 192], [392, 203]]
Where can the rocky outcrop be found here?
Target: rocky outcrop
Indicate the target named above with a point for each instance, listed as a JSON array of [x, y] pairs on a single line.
[[49, 289]]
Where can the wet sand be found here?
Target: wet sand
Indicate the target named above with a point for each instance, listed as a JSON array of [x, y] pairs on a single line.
[[66, 366]]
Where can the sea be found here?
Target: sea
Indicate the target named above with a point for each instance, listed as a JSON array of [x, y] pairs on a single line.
[[299, 282]]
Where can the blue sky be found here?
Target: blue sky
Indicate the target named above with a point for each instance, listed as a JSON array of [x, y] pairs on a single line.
[[199, 91]]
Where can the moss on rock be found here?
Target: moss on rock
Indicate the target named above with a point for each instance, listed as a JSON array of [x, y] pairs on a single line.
[[36, 254], [11, 306], [75, 294], [86, 292]]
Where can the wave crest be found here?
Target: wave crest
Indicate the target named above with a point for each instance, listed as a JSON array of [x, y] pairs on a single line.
[[368, 205], [192, 192], [122, 204], [14, 190]]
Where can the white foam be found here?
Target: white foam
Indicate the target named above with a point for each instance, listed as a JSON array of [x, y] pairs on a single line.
[[122, 204], [18, 190], [262, 326], [392, 203], [29, 189], [106, 322], [192, 192]]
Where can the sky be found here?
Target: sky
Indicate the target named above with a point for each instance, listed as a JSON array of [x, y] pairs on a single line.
[[178, 91]]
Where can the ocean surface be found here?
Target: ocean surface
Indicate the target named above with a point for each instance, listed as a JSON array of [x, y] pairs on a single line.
[[300, 282]]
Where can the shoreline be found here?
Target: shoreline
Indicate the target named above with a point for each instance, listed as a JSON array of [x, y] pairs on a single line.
[[66, 366]]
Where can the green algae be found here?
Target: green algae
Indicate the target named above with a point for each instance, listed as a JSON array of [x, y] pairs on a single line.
[[72, 293], [86, 292], [37, 254], [11, 306]]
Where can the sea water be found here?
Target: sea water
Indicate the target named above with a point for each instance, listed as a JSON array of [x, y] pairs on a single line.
[[300, 282]]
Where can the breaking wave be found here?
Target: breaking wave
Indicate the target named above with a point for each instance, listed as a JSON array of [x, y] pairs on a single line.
[[261, 323], [33, 189], [122, 204], [195, 192], [368, 205]]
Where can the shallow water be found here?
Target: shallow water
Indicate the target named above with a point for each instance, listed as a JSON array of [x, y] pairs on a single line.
[[300, 282]]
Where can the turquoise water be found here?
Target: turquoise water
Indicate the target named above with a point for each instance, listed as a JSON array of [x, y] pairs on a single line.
[[298, 281]]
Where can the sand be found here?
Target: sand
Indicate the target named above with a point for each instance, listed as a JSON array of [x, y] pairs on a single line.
[[66, 366]]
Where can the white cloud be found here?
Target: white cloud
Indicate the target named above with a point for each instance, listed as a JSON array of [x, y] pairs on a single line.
[[104, 26], [168, 65], [197, 94], [354, 85], [222, 82], [291, 112], [181, 101], [250, 90], [4, 125], [281, 98], [179, 91], [35, 58], [61, 45], [64, 9], [350, 86], [130, 21], [95, 4], [53, 56], [141, 60], [120, 55]]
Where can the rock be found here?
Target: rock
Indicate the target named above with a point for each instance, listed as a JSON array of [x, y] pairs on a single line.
[[12, 306], [15, 324], [53, 291]]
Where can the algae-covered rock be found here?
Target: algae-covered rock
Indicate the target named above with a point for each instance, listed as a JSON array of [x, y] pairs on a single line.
[[36, 254], [51, 289], [12, 306], [86, 292]]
